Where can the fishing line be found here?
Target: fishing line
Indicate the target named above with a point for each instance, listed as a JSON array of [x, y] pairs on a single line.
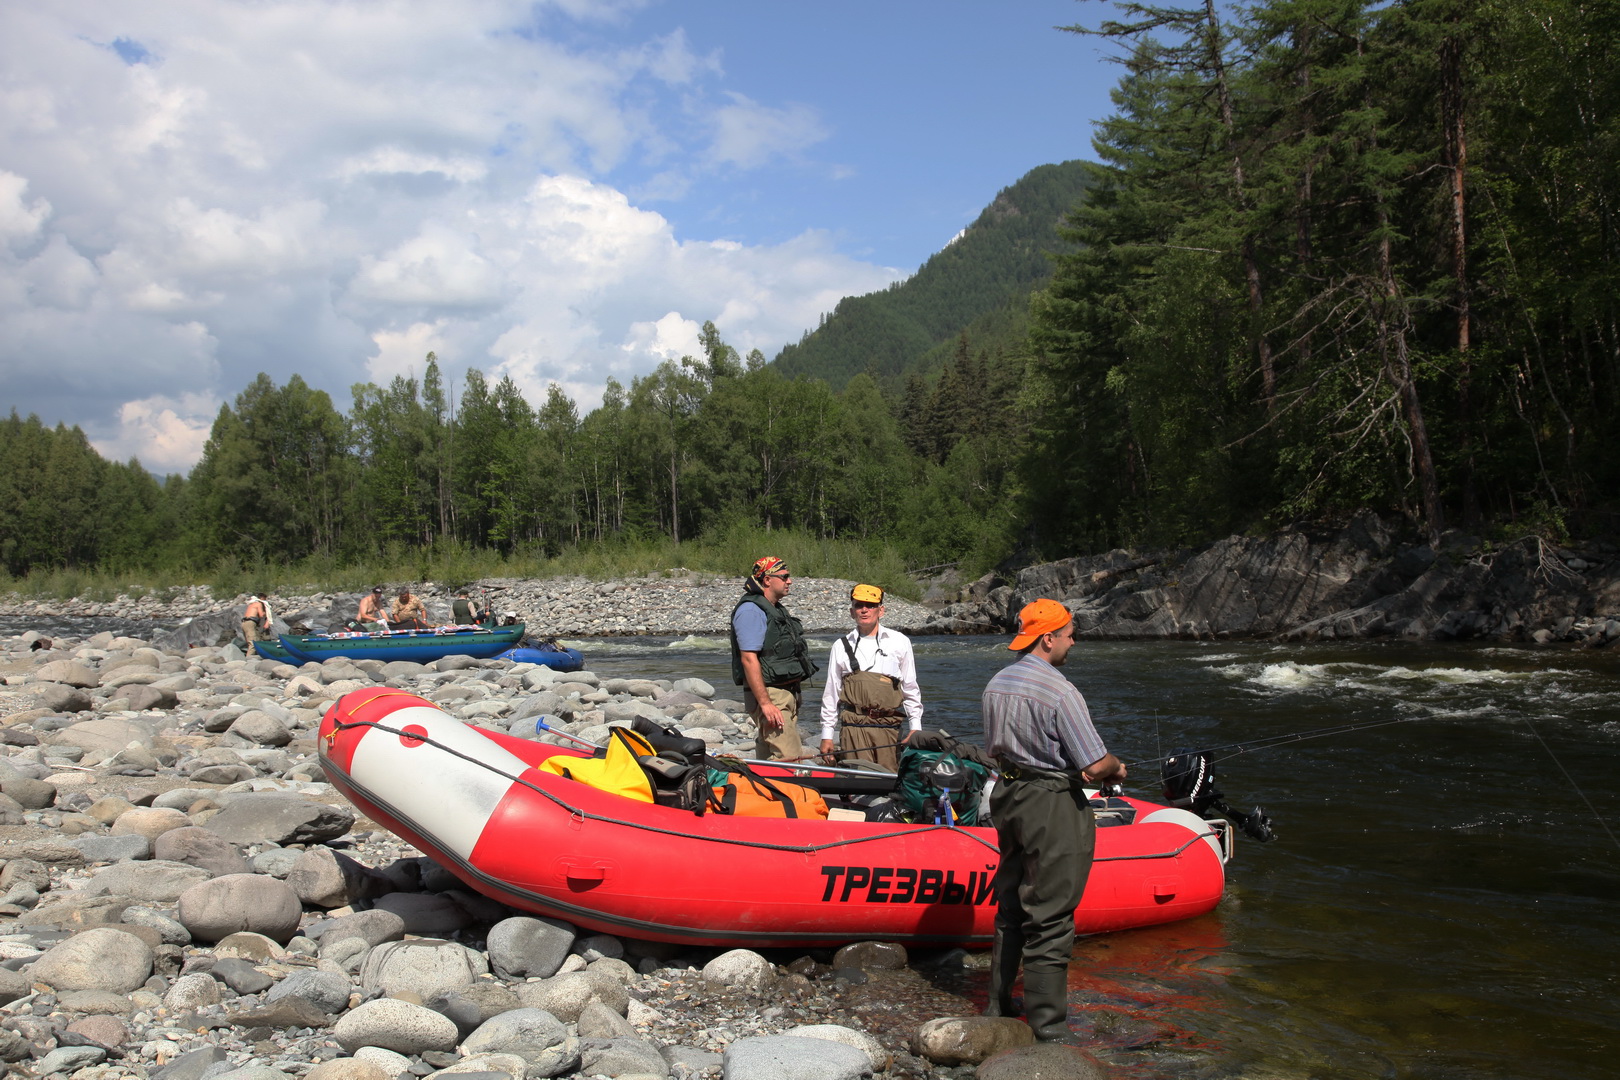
[[1268, 743], [1601, 820]]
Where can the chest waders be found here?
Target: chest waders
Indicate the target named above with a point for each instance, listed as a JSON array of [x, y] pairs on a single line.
[[869, 714]]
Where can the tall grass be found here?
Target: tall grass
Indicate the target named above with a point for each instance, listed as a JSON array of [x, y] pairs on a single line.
[[728, 552]]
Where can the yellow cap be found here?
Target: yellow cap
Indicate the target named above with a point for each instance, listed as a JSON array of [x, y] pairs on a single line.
[[866, 594]]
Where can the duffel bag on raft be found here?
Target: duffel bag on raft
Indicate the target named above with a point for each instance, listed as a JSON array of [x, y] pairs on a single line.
[[740, 791]]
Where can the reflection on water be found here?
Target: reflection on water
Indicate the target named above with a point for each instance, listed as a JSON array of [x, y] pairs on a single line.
[[1439, 903]]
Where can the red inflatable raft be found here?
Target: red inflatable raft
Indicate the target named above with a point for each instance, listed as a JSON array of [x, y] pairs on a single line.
[[473, 801]]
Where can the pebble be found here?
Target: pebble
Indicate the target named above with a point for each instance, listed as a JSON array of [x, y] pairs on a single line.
[[218, 910]]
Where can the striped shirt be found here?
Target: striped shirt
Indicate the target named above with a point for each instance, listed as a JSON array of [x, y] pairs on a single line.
[[1035, 717]]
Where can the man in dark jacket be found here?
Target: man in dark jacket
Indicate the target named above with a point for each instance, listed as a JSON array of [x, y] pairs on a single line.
[[769, 659]]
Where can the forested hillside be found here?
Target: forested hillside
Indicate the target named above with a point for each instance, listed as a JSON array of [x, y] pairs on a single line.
[[1339, 254], [980, 283], [1333, 255]]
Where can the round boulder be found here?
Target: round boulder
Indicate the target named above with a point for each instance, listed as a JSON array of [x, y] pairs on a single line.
[[741, 969], [394, 1025], [98, 959], [423, 967], [214, 909]]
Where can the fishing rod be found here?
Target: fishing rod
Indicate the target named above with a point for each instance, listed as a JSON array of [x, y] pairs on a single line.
[[541, 725]]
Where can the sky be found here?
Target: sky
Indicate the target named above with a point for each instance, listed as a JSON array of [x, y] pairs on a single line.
[[197, 191]]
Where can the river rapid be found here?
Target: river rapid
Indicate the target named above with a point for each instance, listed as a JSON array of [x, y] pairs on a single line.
[[1439, 903]]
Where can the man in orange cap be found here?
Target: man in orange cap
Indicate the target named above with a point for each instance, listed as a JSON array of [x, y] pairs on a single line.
[[1039, 729], [770, 660], [871, 686]]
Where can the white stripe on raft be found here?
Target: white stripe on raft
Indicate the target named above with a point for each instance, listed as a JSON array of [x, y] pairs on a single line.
[[453, 796]]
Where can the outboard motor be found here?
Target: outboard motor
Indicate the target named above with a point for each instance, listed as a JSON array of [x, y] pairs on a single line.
[[1189, 784]]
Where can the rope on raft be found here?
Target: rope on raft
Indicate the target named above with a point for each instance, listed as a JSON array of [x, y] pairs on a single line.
[[803, 849]]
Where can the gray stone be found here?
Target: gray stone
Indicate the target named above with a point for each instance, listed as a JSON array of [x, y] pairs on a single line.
[[394, 1025], [30, 794], [423, 967], [149, 821], [532, 1034], [1042, 1061], [69, 1059], [98, 959], [68, 673], [214, 909], [528, 947], [787, 1057], [196, 846], [142, 698], [389, 1063], [326, 990], [565, 996], [597, 1021], [968, 1040], [329, 879], [259, 727], [151, 882], [846, 1036], [694, 686], [169, 932], [352, 1068], [871, 956], [191, 992], [62, 699], [372, 927], [192, 1064], [621, 1057], [241, 975], [280, 819], [741, 969], [100, 848]]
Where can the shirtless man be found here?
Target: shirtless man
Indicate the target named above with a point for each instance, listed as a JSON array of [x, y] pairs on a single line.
[[371, 616]]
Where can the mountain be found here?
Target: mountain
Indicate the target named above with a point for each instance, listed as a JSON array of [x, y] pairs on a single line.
[[980, 283]]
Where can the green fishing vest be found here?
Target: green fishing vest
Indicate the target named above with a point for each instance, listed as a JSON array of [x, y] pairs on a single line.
[[784, 658], [462, 611]]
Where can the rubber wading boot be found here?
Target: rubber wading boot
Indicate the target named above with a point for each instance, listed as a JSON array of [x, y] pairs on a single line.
[[1005, 957], [1046, 1004]]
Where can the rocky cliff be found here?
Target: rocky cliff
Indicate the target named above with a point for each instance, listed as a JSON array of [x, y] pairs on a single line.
[[1356, 582]]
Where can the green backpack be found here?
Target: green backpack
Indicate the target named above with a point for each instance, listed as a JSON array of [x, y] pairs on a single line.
[[931, 764]]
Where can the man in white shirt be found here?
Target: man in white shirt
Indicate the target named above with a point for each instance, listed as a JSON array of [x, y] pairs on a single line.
[[871, 687]]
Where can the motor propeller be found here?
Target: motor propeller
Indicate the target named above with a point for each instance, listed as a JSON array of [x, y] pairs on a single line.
[[1189, 784]]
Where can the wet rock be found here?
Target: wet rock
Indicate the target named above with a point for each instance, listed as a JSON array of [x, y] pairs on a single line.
[[871, 956], [1042, 1061], [968, 1040]]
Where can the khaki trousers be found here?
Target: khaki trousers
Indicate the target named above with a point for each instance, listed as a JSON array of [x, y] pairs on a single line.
[[250, 631], [776, 745]]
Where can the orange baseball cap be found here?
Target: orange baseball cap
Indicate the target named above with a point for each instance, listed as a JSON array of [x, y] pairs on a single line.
[[1039, 617]]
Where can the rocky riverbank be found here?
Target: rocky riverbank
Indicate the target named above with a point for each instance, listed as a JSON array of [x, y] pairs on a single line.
[[1360, 581], [184, 897], [677, 603]]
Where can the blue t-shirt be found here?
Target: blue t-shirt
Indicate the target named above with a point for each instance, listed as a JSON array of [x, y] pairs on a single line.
[[749, 625]]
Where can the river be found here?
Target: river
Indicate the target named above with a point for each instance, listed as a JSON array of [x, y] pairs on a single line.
[[1440, 901]]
